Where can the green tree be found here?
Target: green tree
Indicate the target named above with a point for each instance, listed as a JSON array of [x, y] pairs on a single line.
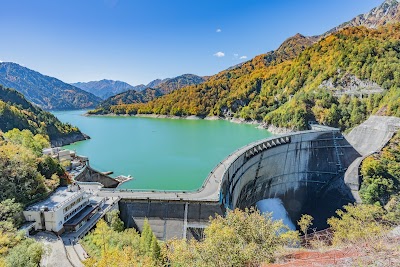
[[115, 221], [145, 237], [26, 254], [35, 143], [49, 166], [11, 214], [155, 248]]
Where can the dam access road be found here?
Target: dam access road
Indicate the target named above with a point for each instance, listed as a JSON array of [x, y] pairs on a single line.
[[309, 171]]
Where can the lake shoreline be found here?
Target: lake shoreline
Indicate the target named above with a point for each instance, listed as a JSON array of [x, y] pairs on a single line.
[[259, 124], [175, 154]]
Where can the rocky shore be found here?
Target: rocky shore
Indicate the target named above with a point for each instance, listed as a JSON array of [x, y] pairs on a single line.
[[69, 139], [261, 125]]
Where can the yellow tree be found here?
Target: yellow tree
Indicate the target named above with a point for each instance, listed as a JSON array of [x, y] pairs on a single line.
[[304, 223], [241, 238], [357, 223]]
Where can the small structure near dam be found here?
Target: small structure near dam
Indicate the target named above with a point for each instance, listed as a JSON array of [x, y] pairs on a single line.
[[312, 172]]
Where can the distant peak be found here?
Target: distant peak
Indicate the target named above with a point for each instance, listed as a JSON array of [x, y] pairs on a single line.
[[390, 2], [299, 35]]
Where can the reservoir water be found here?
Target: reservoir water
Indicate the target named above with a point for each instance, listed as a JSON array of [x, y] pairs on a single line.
[[160, 154]]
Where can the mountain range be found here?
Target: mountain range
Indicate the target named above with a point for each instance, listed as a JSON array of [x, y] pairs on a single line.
[[130, 97], [109, 88], [237, 91], [106, 88], [166, 86], [44, 91], [387, 12], [285, 87]]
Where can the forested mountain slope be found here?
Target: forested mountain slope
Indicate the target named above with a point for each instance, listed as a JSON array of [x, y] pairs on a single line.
[[17, 112], [130, 97], [306, 78], [178, 82], [288, 50], [289, 92]]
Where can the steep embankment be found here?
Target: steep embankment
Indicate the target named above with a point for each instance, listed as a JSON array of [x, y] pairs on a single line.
[[44, 91], [17, 112]]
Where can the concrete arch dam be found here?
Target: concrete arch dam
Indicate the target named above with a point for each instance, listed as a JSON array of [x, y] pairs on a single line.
[[304, 169]]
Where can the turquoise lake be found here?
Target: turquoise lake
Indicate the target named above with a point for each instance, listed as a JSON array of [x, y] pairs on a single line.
[[160, 154]]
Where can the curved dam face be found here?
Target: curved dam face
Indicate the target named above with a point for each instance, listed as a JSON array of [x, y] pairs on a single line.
[[305, 170]]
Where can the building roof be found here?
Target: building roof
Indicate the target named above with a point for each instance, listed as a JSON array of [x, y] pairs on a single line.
[[81, 215], [55, 200]]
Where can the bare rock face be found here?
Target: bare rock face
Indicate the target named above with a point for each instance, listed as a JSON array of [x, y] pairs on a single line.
[[387, 12], [69, 139], [349, 84]]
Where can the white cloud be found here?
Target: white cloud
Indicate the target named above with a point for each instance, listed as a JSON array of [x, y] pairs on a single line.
[[1, 61], [235, 55], [218, 30], [243, 57], [219, 54]]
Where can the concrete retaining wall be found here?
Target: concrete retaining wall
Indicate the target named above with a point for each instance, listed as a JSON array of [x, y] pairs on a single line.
[[90, 175], [168, 219]]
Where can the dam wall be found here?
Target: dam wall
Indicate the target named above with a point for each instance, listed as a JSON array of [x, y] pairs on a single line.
[[368, 138], [169, 219], [305, 170]]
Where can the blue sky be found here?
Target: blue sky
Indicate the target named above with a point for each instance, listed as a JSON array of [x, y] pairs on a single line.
[[138, 41]]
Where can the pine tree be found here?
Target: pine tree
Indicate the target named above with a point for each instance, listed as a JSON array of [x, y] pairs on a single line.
[[115, 221], [155, 248], [145, 237]]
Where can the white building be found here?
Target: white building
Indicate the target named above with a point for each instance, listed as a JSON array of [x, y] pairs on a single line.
[[59, 153], [66, 209]]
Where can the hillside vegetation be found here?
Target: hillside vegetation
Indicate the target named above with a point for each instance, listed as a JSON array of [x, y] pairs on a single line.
[[17, 112], [172, 84], [152, 91], [246, 238], [26, 176], [129, 97], [283, 87], [381, 175], [292, 47]]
